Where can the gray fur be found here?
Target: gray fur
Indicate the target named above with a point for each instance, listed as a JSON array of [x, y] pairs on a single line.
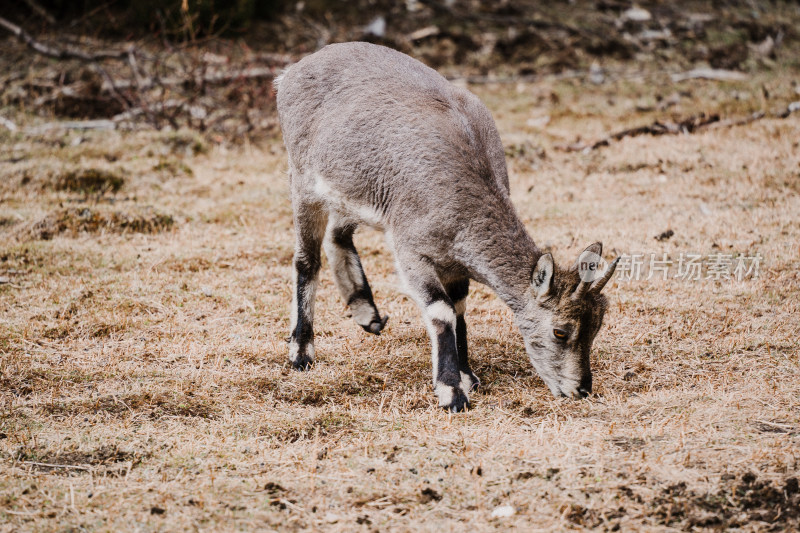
[[375, 137]]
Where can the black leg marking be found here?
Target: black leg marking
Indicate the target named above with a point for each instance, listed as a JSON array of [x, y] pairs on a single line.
[[458, 291], [448, 378], [441, 314], [309, 230], [301, 349]]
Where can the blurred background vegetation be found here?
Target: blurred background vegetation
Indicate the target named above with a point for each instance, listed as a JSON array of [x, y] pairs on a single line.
[[203, 63]]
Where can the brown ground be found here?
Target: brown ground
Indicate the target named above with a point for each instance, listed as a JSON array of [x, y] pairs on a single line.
[[144, 306]]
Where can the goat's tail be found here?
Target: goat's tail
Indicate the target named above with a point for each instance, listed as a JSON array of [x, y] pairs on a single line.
[[279, 78]]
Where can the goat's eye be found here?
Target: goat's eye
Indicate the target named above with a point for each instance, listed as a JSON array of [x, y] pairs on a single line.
[[560, 334]]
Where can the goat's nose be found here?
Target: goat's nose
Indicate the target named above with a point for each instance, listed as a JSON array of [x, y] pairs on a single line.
[[585, 387]]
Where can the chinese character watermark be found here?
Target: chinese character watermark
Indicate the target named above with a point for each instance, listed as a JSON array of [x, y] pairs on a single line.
[[688, 266]]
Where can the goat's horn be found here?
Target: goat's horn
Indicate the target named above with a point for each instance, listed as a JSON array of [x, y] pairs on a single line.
[[598, 284], [580, 290]]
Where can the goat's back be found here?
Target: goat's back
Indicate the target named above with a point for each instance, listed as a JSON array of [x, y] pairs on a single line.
[[375, 122]]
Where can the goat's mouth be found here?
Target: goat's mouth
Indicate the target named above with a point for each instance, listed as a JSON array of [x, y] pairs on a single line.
[[577, 394], [569, 388]]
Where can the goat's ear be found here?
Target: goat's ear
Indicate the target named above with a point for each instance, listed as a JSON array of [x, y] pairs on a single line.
[[596, 249], [542, 279]]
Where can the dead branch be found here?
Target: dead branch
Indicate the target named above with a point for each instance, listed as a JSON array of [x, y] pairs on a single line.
[[183, 87], [72, 125], [689, 125], [58, 53], [709, 74], [37, 8], [214, 78]]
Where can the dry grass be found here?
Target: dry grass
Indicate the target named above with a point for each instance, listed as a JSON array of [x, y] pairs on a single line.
[[143, 372]]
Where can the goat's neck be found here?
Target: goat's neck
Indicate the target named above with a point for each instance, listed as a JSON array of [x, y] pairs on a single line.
[[501, 254]]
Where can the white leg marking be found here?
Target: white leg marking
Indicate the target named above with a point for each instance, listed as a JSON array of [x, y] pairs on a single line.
[[445, 393], [466, 383], [294, 350], [363, 312], [434, 350], [293, 311], [442, 312], [353, 268]]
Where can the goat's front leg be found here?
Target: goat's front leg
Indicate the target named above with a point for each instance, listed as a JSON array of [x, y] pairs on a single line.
[[457, 291], [439, 315]]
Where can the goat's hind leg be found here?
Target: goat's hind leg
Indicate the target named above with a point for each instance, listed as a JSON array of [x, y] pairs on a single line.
[[309, 226], [349, 274]]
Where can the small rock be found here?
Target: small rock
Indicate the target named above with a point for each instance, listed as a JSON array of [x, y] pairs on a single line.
[[538, 122], [665, 236], [157, 510], [636, 14], [596, 73], [503, 511], [428, 495], [377, 27]]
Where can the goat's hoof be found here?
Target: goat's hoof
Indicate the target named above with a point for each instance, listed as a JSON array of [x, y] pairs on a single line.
[[459, 404], [452, 399], [376, 326], [302, 363]]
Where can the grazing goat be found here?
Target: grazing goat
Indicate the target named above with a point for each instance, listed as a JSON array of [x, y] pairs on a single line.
[[375, 137]]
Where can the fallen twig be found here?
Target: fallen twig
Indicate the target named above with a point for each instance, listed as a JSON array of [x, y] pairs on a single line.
[[10, 126], [102, 124], [689, 125], [211, 78], [709, 74], [48, 465]]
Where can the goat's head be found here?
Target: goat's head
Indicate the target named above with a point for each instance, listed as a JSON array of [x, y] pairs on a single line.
[[563, 314]]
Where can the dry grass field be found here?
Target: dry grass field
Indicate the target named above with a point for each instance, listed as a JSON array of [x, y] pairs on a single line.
[[144, 310]]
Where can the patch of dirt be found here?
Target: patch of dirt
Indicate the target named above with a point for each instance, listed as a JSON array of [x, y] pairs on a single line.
[[184, 142], [89, 180], [327, 424], [155, 405], [189, 264], [106, 458], [22, 382], [580, 515], [76, 220], [359, 385], [736, 503], [428, 495]]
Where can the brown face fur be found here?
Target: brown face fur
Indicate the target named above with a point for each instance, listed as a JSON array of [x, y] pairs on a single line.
[[559, 326]]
